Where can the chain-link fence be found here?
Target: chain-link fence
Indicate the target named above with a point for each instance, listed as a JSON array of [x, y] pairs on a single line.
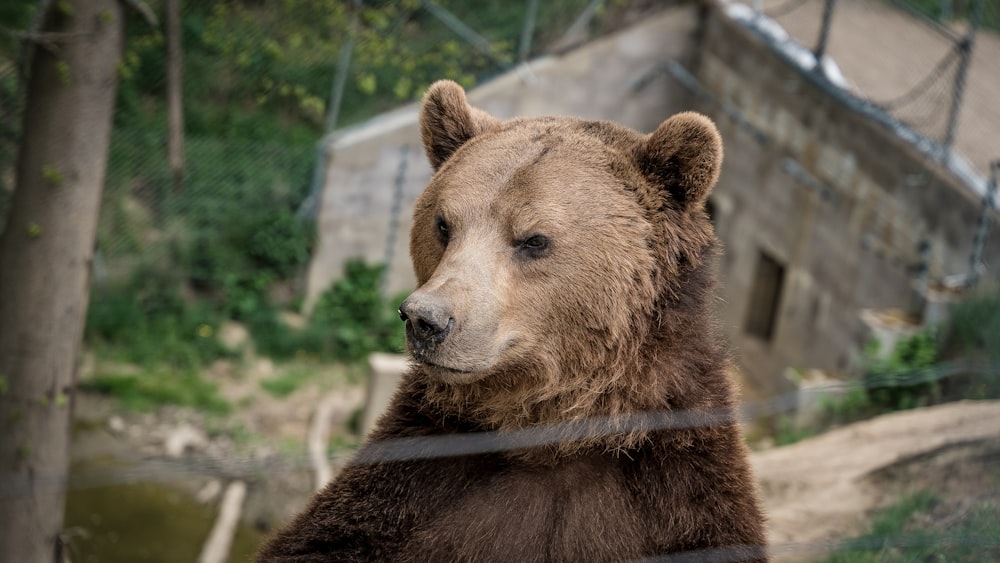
[[931, 64]]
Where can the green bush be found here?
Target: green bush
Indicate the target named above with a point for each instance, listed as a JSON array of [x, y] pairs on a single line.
[[974, 333], [354, 316], [350, 321], [787, 432], [149, 324], [275, 339], [287, 383], [886, 390], [974, 328]]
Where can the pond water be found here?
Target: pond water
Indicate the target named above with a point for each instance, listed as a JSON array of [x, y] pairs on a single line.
[[145, 522]]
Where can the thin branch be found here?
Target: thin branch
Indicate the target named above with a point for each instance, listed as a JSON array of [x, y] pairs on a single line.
[[144, 10]]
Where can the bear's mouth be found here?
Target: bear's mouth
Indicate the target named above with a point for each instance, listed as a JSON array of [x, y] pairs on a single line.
[[467, 367], [448, 374]]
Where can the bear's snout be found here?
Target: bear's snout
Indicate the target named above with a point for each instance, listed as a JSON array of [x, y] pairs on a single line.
[[428, 323]]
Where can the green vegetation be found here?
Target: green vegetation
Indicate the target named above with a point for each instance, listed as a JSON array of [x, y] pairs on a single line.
[[883, 387], [286, 383], [148, 323], [171, 339], [350, 321], [897, 535], [974, 333], [945, 11], [155, 388], [360, 320], [882, 379], [912, 374], [151, 325], [787, 432]]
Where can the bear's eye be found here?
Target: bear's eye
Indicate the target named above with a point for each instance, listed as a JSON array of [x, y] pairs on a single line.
[[442, 231], [534, 246]]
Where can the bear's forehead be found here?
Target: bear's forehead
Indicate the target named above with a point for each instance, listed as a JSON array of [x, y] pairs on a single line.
[[538, 159], [521, 179]]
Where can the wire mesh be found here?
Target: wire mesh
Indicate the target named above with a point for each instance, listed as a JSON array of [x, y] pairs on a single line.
[[925, 62]]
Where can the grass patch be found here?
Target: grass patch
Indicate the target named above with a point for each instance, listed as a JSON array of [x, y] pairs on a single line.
[[286, 384], [894, 536], [788, 432], [156, 388]]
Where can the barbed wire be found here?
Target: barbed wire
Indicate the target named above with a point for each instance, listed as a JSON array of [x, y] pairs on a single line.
[[925, 42], [936, 74]]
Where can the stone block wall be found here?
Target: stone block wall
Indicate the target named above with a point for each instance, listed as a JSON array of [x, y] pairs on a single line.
[[841, 201]]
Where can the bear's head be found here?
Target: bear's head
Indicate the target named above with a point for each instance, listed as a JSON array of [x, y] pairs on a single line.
[[561, 265]]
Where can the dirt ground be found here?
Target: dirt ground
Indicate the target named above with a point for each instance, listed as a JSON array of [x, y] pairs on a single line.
[[824, 489]]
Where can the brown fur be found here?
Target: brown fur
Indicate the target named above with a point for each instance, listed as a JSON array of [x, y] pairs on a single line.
[[608, 319]]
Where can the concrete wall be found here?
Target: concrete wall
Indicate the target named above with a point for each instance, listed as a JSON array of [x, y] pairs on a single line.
[[845, 222], [595, 81]]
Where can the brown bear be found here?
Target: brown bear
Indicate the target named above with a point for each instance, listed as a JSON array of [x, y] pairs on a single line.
[[568, 399]]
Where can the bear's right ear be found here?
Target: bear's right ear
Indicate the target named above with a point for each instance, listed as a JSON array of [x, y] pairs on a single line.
[[447, 121], [683, 156]]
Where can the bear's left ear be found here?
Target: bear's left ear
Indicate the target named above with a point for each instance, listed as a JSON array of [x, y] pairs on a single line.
[[447, 121], [683, 157]]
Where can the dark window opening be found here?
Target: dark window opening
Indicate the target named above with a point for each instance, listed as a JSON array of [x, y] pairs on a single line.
[[765, 297]]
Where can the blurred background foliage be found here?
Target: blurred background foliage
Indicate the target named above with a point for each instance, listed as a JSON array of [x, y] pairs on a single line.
[[232, 242]]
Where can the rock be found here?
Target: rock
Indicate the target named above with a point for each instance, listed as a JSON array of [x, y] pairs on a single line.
[[233, 335], [292, 320], [183, 437], [221, 369], [263, 368], [208, 493], [116, 425]]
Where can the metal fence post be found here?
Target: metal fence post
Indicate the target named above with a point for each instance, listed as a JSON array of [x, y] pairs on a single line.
[[946, 12], [397, 208], [965, 49], [310, 207], [528, 31], [824, 33], [983, 229], [923, 273], [343, 64], [465, 32]]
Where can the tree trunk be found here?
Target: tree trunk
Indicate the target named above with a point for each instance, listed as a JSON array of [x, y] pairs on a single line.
[[175, 111], [45, 258]]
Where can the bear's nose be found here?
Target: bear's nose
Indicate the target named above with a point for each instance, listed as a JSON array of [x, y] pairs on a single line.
[[426, 322]]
